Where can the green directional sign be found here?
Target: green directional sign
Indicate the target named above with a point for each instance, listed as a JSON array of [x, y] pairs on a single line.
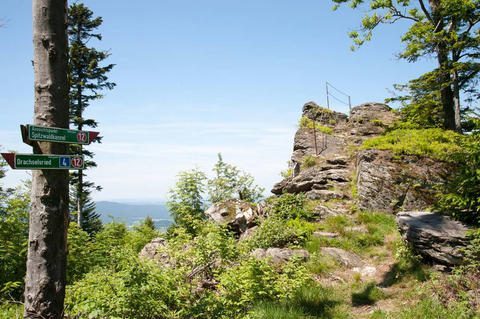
[[35, 161], [59, 135]]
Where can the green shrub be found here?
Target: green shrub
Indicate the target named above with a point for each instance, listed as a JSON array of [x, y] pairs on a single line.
[[461, 195], [435, 143], [276, 232], [127, 289], [80, 258], [11, 310], [289, 206], [141, 234], [13, 242], [309, 161], [287, 173], [254, 281]]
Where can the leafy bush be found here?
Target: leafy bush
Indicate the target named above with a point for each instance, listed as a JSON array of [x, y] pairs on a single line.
[[289, 206], [13, 241], [128, 288], [276, 232], [305, 122], [232, 183], [11, 310], [81, 258], [253, 281], [435, 143], [461, 195], [141, 234]]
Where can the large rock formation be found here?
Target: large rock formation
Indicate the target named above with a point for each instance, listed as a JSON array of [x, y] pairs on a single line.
[[437, 238], [375, 180], [390, 184]]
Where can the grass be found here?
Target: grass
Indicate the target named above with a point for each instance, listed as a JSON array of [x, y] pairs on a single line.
[[435, 143], [367, 294], [311, 301], [378, 226], [309, 161]]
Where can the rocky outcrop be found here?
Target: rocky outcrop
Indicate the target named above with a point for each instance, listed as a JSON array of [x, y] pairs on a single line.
[[389, 184], [153, 251], [435, 237], [374, 180], [343, 257], [280, 256], [371, 119], [236, 214]]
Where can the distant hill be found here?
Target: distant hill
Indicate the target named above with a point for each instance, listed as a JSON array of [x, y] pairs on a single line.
[[133, 213]]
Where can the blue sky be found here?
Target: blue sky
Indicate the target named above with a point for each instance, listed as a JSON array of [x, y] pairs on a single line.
[[195, 78]]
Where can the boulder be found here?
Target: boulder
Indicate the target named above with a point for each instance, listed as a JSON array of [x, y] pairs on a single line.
[[236, 214], [153, 251], [435, 237], [322, 115], [390, 184], [280, 256], [371, 119], [343, 257]]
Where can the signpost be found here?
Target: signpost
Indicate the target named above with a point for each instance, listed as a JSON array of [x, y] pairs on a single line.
[[58, 135], [36, 161]]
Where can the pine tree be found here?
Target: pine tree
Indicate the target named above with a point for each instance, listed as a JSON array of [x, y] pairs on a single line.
[[88, 78]]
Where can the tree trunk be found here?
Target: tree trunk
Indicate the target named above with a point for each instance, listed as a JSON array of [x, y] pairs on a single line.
[[444, 79], [456, 100], [46, 263], [79, 194]]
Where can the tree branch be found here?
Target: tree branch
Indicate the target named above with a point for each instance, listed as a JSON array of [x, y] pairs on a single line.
[[425, 11]]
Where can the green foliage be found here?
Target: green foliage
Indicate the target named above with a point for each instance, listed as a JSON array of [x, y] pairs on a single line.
[[310, 301], [447, 30], [276, 232], [472, 252], [431, 308], [10, 310], [110, 239], [461, 195], [185, 202], [289, 206], [367, 294], [376, 225], [256, 280], [14, 207], [287, 173], [231, 183], [309, 161], [305, 122], [129, 289], [141, 234], [434, 143], [81, 256]]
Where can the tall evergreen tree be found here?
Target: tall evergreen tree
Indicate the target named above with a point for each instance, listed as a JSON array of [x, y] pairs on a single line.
[[88, 78]]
